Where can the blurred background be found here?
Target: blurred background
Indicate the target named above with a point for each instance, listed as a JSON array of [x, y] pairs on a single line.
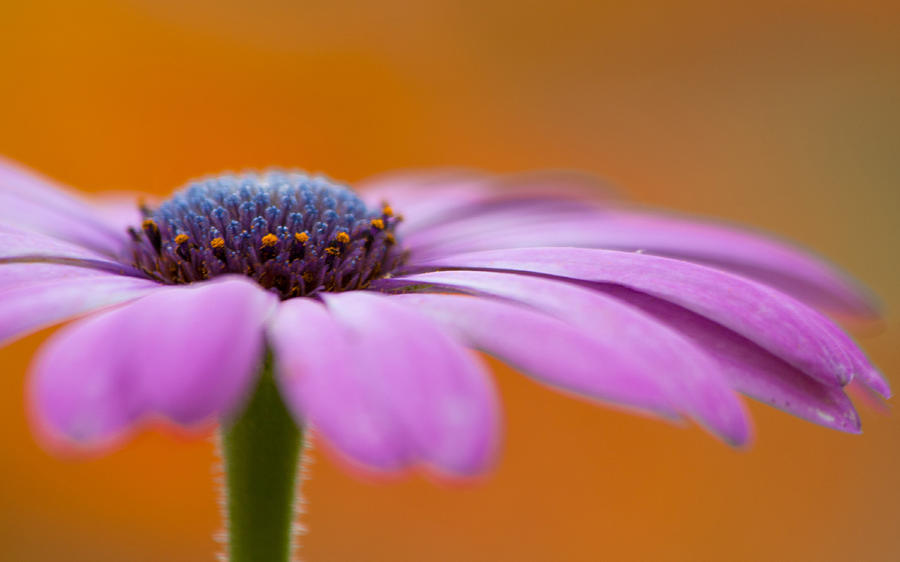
[[778, 114]]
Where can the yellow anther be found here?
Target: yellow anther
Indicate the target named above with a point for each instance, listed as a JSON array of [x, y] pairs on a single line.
[[149, 224], [181, 239], [342, 237], [389, 238], [269, 240], [217, 243], [331, 250], [301, 237], [378, 223], [388, 211]]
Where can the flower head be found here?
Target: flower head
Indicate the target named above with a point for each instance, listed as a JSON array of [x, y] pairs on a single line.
[[370, 319]]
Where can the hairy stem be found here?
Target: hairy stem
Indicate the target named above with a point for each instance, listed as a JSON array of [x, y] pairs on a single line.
[[262, 450]]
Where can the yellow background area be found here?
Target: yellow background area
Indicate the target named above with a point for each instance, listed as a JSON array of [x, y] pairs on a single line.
[[780, 115]]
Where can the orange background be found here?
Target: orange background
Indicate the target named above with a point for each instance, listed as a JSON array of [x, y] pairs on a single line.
[[782, 115]]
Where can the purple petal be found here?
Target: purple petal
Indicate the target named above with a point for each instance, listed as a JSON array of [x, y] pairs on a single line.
[[755, 255], [32, 202], [548, 349], [395, 388], [79, 391], [17, 245], [432, 198], [185, 353], [325, 386], [776, 322], [771, 261], [752, 370], [630, 337], [20, 274], [28, 307], [118, 210], [424, 198]]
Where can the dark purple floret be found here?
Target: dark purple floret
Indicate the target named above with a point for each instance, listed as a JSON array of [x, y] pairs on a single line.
[[294, 234]]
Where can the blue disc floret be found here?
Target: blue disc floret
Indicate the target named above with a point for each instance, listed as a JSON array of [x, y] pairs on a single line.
[[294, 234]]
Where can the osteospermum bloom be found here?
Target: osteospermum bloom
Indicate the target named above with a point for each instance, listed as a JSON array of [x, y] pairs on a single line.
[[366, 305]]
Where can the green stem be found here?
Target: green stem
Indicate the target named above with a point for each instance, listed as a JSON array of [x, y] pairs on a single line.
[[262, 450]]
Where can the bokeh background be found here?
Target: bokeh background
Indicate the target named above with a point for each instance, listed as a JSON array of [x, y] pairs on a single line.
[[779, 114]]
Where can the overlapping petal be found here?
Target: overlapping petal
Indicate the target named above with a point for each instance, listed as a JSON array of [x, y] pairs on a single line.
[[32, 202], [383, 384], [632, 344], [749, 368], [549, 349], [17, 244], [187, 354], [430, 199], [776, 322], [28, 306], [754, 255]]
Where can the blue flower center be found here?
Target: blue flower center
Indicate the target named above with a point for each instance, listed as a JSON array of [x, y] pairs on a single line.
[[294, 234]]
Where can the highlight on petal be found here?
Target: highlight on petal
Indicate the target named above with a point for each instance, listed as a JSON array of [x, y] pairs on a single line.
[[35, 203], [776, 322], [634, 345], [383, 384], [186, 354]]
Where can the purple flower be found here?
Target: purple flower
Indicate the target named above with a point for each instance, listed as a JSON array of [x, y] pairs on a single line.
[[370, 316]]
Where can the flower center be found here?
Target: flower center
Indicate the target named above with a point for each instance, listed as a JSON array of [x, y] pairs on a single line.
[[294, 234]]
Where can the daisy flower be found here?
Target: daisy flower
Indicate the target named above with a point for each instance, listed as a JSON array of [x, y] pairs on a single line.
[[279, 302]]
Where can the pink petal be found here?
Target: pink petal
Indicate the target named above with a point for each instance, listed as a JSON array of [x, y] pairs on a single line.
[[395, 388], [118, 210], [548, 349], [752, 370], [785, 327], [185, 353], [755, 255], [435, 197], [18, 245], [642, 347], [19, 274], [424, 197], [324, 385], [28, 307], [33, 202]]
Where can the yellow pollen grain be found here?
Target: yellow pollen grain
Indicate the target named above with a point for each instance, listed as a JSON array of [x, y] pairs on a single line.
[[389, 238], [333, 251], [269, 240], [388, 211], [181, 239], [378, 223], [149, 223], [217, 243], [342, 237], [301, 237]]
